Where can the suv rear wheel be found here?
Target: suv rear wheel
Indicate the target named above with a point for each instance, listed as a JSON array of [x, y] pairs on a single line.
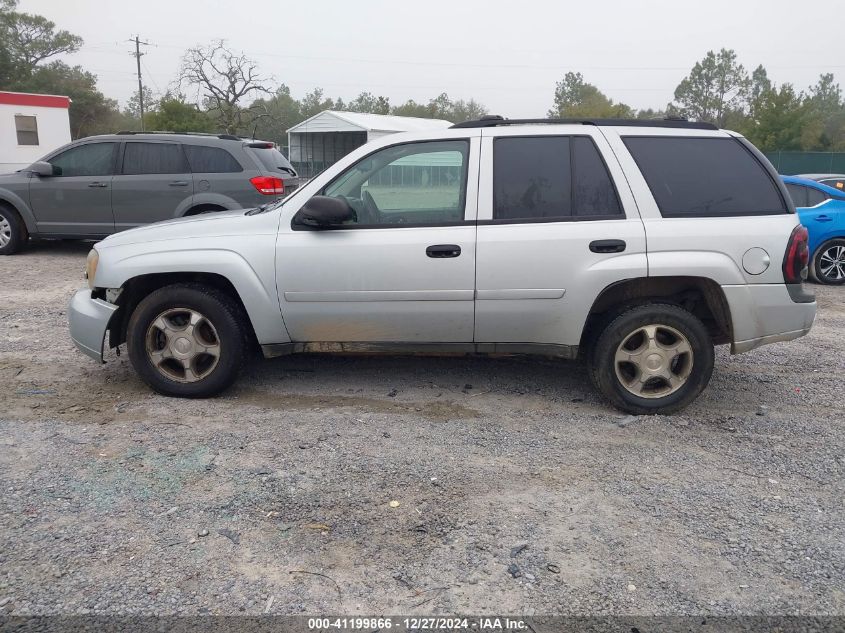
[[12, 231], [187, 340], [652, 358]]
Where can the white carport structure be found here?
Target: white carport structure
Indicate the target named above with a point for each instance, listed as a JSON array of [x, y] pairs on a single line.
[[325, 138]]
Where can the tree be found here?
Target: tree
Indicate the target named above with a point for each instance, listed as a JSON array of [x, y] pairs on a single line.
[[314, 102], [575, 98], [173, 113], [227, 81], [367, 102], [780, 121], [412, 108], [276, 115], [31, 39], [466, 111], [133, 106], [90, 111], [715, 86]]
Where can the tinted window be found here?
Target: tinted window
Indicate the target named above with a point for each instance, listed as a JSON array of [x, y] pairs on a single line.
[[704, 177], [531, 178], [92, 159], [272, 160], [413, 183], [594, 194], [798, 193], [836, 183], [814, 197], [211, 160], [154, 158]]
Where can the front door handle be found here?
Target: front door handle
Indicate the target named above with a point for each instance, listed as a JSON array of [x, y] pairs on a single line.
[[823, 218], [607, 246], [439, 251], [179, 183], [97, 184]]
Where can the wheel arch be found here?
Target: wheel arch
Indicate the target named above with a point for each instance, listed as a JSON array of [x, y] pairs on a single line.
[[14, 203], [701, 296]]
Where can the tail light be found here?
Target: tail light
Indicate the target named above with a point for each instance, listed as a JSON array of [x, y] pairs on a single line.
[[268, 185], [797, 256]]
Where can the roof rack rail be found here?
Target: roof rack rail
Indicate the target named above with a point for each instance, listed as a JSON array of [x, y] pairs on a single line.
[[225, 137], [670, 122]]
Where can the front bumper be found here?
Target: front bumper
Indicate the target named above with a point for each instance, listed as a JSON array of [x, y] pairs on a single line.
[[88, 319]]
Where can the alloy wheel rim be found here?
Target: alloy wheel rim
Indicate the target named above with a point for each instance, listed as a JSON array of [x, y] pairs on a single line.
[[183, 345], [653, 361], [832, 263], [5, 231]]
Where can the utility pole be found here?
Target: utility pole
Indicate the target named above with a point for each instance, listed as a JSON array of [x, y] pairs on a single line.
[[137, 54]]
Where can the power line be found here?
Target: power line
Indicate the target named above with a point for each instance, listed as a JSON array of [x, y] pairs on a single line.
[[138, 54]]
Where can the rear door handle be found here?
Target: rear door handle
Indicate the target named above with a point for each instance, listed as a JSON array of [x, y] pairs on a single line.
[[179, 183], [439, 251], [97, 184], [607, 246], [823, 218]]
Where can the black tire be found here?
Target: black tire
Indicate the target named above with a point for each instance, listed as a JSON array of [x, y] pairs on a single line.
[[220, 311], [696, 366], [13, 234], [832, 248]]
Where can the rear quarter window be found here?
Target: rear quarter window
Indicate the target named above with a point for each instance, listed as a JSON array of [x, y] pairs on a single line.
[[272, 160], [705, 176]]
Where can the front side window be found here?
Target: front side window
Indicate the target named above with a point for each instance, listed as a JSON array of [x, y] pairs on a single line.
[[27, 129], [154, 158], [704, 176], [415, 183], [91, 159]]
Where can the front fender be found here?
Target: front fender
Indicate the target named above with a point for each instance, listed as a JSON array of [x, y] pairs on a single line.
[[251, 275], [20, 205]]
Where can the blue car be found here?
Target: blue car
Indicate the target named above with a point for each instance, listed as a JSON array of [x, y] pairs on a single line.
[[822, 211]]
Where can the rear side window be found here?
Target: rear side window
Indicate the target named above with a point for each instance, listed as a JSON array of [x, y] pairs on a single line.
[[154, 158], [798, 193], [551, 178], [211, 160], [704, 177], [814, 197], [272, 159], [531, 178]]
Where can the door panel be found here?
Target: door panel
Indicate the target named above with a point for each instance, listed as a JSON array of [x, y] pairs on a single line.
[[536, 277], [155, 184], [79, 200], [379, 281]]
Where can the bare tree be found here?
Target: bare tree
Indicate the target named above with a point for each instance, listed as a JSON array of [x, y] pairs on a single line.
[[227, 81]]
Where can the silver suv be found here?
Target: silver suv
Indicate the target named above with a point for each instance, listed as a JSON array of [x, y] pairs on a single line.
[[634, 245], [103, 184]]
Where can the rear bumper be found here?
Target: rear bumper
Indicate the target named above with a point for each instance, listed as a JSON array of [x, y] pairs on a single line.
[[766, 313], [88, 319]]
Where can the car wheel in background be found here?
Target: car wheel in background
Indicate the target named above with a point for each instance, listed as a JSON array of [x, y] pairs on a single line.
[[12, 231], [829, 262], [187, 340], [653, 358]]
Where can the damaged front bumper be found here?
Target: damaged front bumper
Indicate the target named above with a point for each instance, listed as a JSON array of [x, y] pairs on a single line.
[[89, 319]]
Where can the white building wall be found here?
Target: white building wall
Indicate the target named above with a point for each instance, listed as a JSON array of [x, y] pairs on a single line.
[[53, 132]]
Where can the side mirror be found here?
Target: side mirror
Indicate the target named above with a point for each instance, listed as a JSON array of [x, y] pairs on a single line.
[[42, 168], [323, 212]]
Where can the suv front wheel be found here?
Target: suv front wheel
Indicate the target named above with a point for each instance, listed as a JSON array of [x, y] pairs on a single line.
[[653, 358], [187, 340]]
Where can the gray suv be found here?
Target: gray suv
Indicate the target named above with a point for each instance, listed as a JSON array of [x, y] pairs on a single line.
[[104, 184]]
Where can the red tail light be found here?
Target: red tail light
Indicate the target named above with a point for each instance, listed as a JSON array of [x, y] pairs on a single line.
[[797, 256], [268, 185]]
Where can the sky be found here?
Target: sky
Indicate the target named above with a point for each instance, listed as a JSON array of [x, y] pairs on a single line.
[[507, 55]]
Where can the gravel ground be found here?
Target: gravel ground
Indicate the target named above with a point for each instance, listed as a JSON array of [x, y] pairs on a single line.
[[366, 485]]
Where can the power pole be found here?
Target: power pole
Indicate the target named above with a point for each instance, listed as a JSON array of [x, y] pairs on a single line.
[[137, 54]]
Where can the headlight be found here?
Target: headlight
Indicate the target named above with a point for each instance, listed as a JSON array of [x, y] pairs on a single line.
[[91, 266]]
